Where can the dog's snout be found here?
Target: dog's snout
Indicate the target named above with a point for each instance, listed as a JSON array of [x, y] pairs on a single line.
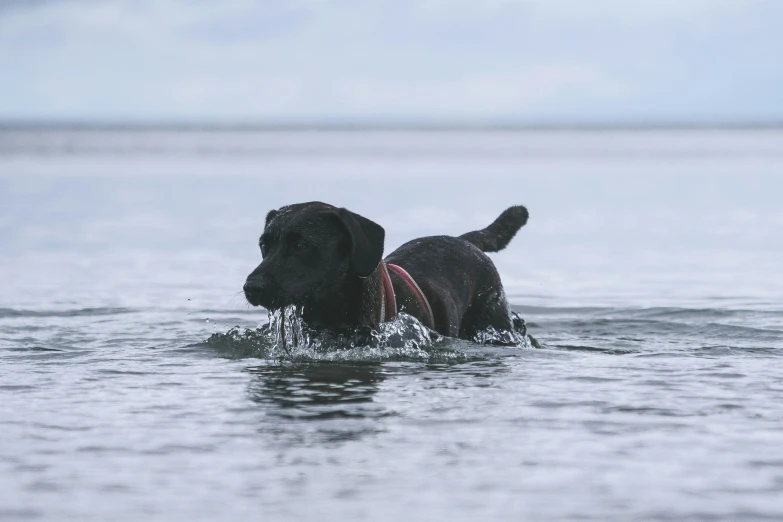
[[255, 290], [253, 286]]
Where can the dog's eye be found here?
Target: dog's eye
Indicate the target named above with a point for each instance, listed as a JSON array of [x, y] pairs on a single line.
[[263, 249], [299, 246]]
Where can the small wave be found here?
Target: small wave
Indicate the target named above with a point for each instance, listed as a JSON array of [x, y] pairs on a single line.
[[560, 310], [34, 349], [585, 348], [652, 313], [218, 311], [121, 372], [13, 313]]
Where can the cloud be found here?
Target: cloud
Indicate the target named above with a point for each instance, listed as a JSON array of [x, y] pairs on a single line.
[[309, 59]]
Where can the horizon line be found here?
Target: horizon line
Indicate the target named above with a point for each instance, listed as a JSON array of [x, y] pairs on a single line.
[[378, 125]]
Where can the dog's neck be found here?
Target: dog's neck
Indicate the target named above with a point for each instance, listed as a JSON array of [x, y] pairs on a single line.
[[357, 304]]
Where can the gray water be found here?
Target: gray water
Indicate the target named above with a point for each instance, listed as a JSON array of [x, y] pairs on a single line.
[[649, 271]]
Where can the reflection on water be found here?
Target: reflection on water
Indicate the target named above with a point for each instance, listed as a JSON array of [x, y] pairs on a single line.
[[339, 397], [324, 403]]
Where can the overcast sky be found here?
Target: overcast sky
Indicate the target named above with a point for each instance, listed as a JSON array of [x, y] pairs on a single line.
[[430, 60]]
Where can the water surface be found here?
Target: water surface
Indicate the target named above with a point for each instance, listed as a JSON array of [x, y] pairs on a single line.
[[649, 271]]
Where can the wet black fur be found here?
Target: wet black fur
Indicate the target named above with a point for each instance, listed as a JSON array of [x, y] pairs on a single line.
[[326, 260]]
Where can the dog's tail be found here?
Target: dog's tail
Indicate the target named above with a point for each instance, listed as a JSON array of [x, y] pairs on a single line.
[[500, 233]]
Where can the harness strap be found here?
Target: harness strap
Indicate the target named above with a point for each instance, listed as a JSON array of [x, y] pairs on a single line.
[[414, 287], [388, 300]]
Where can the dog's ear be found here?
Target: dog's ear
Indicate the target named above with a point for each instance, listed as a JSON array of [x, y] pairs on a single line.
[[269, 217], [366, 241]]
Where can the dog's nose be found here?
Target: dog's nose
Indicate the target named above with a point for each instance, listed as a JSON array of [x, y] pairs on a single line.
[[254, 291]]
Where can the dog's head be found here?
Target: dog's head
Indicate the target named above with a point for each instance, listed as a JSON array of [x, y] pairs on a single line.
[[309, 249]]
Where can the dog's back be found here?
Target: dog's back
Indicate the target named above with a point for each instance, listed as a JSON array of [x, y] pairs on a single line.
[[459, 279]]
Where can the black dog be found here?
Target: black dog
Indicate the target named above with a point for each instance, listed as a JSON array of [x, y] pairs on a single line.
[[327, 260]]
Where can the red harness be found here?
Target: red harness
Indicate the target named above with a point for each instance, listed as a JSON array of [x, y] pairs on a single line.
[[388, 300]]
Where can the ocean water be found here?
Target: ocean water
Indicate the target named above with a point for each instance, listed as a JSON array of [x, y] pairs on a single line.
[[133, 385]]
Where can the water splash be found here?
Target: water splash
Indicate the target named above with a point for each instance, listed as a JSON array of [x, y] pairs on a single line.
[[517, 336], [288, 328], [286, 337]]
